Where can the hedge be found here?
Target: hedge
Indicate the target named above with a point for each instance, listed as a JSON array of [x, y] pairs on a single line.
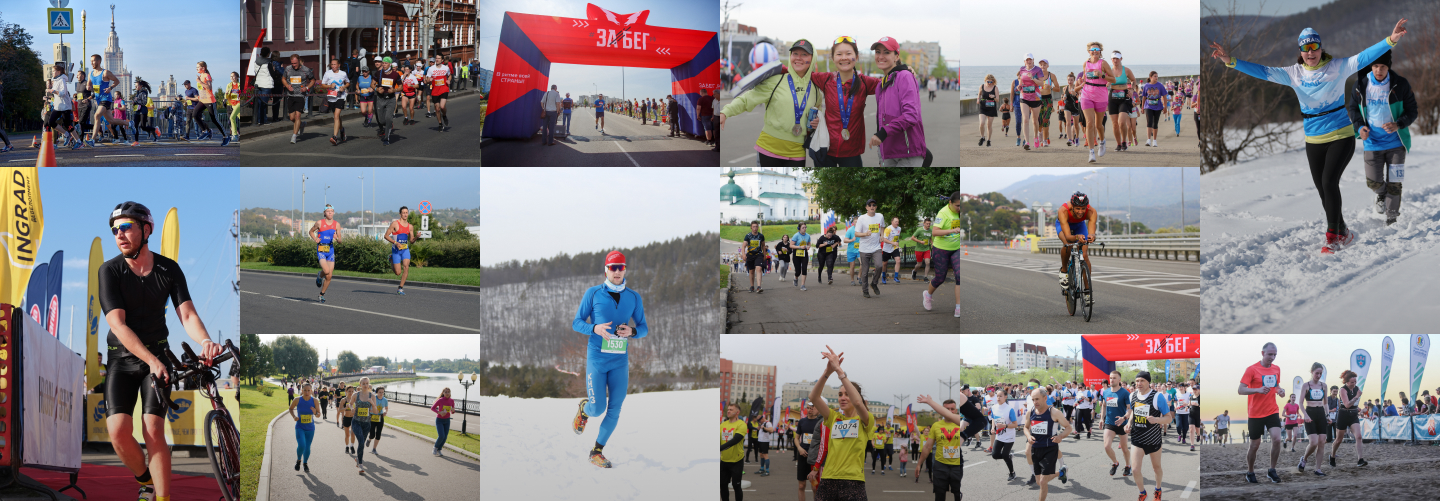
[[367, 255]]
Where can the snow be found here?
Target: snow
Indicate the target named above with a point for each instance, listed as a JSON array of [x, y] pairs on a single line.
[[659, 451], [1262, 269]]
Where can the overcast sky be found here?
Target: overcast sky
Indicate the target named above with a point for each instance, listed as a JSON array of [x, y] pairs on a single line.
[[533, 213], [1144, 31], [394, 346], [983, 349], [978, 180], [1267, 7], [867, 22], [885, 365]]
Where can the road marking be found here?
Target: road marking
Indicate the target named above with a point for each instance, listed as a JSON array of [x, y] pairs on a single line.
[[1189, 487], [627, 154], [200, 154], [746, 157], [339, 278], [1103, 275], [102, 156], [332, 155], [982, 462], [370, 312]]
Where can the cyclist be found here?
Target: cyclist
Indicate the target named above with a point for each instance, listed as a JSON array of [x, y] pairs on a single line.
[[1076, 223], [304, 426], [133, 290], [325, 233], [398, 234]]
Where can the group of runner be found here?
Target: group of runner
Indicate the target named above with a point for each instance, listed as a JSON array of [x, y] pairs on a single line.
[[360, 411], [326, 233], [393, 91], [1261, 384], [99, 103], [870, 243]]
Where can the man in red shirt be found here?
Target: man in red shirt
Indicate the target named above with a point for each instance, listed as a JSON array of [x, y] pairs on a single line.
[[1261, 384]]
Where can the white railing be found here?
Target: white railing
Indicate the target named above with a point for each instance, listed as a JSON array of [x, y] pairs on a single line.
[[1169, 246]]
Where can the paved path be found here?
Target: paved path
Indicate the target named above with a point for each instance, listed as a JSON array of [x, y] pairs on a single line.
[[625, 143], [207, 153], [411, 145], [404, 468], [1183, 151], [942, 125], [287, 304]]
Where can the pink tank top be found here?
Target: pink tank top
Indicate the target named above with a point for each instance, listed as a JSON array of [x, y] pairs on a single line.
[[1094, 92], [1029, 88]]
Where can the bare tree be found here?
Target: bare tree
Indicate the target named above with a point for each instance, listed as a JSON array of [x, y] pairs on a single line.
[[1422, 69], [1232, 99]]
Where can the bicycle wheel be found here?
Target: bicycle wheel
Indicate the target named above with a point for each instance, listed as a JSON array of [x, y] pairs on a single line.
[[1070, 292], [222, 444], [1085, 306]]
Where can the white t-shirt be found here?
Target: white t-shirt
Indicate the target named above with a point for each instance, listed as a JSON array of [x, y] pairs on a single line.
[[892, 233], [1222, 421], [60, 100], [1085, 399], [766, 436], [551, 101], [1068, 397], [1001, 416], [1182, 402], [873, 224], [339, 80]]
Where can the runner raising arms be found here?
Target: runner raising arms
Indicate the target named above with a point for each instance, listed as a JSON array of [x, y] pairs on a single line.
[[842, 477], [607, 361], [304, 425], [399, 236], [1147, 418], [133, 289]]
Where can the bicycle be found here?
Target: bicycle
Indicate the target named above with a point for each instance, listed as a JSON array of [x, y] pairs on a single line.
[[220, 431], [1079, 275]]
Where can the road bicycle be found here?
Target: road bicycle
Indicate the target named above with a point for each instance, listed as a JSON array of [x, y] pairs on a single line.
[[1079, 274], [222, 439]]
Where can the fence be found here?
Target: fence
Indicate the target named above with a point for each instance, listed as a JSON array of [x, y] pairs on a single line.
[[1167, 246], [461, 406]]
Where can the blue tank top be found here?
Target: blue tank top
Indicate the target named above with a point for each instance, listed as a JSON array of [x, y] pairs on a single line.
[[100, 86], [327, 231], [364, 82], [1042, 427], [306, 409]]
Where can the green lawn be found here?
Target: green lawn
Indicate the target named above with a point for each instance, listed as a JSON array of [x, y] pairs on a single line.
[[724, 275], [457, 276], [256, 411], [773, 233], [469, 442]]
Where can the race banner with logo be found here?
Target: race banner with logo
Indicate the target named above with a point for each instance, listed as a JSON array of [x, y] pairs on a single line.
[[53, 274], [1387, 354], [1392, 427], [1296, 389], [1427, 427], [54, 394], [1419, 349], [22, 222], [92, 316], [35, 303], [1360, 365]]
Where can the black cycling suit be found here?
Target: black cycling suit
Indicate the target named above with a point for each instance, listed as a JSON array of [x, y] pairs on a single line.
[[143, 300]]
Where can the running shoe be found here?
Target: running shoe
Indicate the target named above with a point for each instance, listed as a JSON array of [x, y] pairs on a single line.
[[1102, 149], [147, 493], [1157, 494], [1250, 477], [877, 289], [293, 137], [1031, 481], [1332, 461], [136, 142], [580, 418], [1092, 155], [322, 299], [400, 291], [957, 311], [1126, 473], [1319, 473], [360, 467], [1063, 478], [1192, 449], [1011, 477], [987, 142], [752, 288], [1274, 477], [319, 277], [1380, 204], [6, 148], [77, 145], [306, 466], [1113, 467], [90, 143], [982, 141], [385, 141], [803, 288], [927, 302], [1047, 142], [333, 142], [297, 465], [832, 282], [1361, 462], [760, 290]]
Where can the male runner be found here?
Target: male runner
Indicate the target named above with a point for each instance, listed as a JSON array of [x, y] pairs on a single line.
[[438, 76], [101, 82], [1067, 401], [947, 440], [1076, 222], [766, 436], [1117, 408], [804, 432], [398, 234], [1261, 384], [133, 289], [852, 249], [1044, 438], [337, 81], [298, 80], [890, 249], [870, 254], [326, 233], [387, 78], [732, 453], [754, 244], [600, 113], [607, 362], [921, 237], [1149, 413]]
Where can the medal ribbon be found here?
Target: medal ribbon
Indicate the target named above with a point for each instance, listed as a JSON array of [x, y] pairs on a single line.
[[845, 104], [799, 105]]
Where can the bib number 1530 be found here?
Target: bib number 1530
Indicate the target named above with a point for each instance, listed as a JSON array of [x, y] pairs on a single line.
[[627, 39]]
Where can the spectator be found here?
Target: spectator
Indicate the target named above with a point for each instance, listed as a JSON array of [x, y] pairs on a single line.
[[706, 107], [672, 109], [568, 104], [551, 109]]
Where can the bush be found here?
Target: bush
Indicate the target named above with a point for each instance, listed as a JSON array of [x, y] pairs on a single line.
[[368, 255], [255, 254], [448, 253]]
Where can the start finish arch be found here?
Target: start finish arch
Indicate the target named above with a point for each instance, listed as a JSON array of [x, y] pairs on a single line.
[[529, 43], [1101, 351]]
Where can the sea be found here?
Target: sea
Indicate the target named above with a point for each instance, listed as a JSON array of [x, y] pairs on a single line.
[[971, 77]]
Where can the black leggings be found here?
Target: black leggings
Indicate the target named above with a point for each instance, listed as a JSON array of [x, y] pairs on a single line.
[[826, 263], [1002, 452], [1083, 421], [1327, 163], [730, 474], [198, 115], [213, 118]]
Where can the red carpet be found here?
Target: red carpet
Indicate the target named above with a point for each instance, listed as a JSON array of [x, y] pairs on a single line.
[[103, 483]]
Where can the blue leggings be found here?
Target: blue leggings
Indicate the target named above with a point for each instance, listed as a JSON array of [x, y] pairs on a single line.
[[362, 432], [1177, 124], [599, 383], [442, 427], [304, 438]]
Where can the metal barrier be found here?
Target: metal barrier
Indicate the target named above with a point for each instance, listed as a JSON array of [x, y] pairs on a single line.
[[1168, 246], [461, 406]]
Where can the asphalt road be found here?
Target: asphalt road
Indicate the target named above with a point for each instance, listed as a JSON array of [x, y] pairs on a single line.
[[1182, 151], [411, 145], [1006, 291], [942, 126], [625, 143], [166, 153], [286, 304], [403, 469]]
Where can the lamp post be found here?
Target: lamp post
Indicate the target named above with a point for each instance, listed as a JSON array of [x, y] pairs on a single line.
[[362, 200], [464, 420]]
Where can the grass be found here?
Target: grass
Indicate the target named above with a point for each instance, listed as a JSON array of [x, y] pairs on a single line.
[[457, 276], [256, 411], [773, 232], [724, 275], [470, 443]]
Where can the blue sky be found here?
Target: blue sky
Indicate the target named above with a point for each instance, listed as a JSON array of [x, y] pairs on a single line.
[[444, 187], [78, 202], [577, 79], [160, 37]]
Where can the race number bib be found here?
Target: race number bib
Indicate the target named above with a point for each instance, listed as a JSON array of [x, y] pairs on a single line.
[[387, 82], [849, 428], [1118, 94], [1040, 428], [334, 92], [1397, 173], [365, 90], [754, 244], [402, 246], [1142, 413], [614, 346], [362, 412], [1268, 380], [307, 418], [1027, 88], [989, 104], [805, 439], [950, 452], [324, 248], [1317, 394], [725, 435], [799, 252], [874, 228], [439, 81], [448, 409]]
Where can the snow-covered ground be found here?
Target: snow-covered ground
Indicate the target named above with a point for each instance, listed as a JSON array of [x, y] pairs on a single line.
[[659, 450], [1263, 271]]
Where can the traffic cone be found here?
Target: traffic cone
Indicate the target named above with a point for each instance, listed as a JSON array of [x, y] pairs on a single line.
[[34, 142], [47, 151]]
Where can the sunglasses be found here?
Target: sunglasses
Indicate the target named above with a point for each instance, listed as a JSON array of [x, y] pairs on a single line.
[[615, 267], [1096, 49], [115, 230], [1310, 47], [843, 39]]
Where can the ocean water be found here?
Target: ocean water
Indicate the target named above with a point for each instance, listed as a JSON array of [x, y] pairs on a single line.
[[972, 76]]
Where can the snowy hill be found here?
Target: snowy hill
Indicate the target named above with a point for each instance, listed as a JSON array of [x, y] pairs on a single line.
[[659, 452], [1262, 270]]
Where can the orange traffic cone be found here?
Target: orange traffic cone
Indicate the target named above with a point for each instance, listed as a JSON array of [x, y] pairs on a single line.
[[47, 152], [34, 142]]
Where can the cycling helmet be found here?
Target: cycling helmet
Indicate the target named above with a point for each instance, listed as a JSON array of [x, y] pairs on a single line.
[[137, 212], [1079, 200]]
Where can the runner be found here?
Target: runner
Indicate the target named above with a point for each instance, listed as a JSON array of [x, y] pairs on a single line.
[[377, 421], [304, 426], [1388, 110], [324, 394], [1005, 107], [1120, 104], [600, 113], [443, 408], [1182, 414], [1316, 422], [1004, 420], [1076, 222], [782, 253], [206, 85], [1084, 406], [1197, 428], [102, 83], [385, 109], [298, 80], [1222, 428], [133, 289], [1030, 78], [4, 137], [890, 247], [1262, 416], [946, 250], [363, 400], [755, 256], [326, 233], [732, 454], [766, 435], [349, 420], [1156, 100], [1044, 439], [607, 362], [870, 253], [334, 82], [1147, 418], [1177, 110], [945, 444], [801, 244], [989, 95], [365, 95], [842, 477], [805, 432], [852, 250], [1093, 99], [438, 77], [921, 237], [1067, 401], [1117, 405], [57, 94], [828, 246], [398, 234], [1047, 101], [1348, 418], [1329, 137]]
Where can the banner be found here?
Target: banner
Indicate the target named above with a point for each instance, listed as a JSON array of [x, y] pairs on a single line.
[[22, 222], [92, 317], [1295, 390], [909, 419], [1360, 364], [35, 295], [776, 417], [1196, 374], [1427, 427], [1391, 427], [1419, 349], [890, 415], [1100, 351], [183, 427], [8, 416], [1387, 353], [170, 239], [54, 398], [827, 221], [52, 292]]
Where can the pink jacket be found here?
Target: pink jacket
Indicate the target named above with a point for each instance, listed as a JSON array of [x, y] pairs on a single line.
[[897, 103]]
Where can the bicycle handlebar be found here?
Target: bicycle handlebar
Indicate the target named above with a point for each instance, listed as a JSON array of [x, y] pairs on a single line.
[[190, 368]]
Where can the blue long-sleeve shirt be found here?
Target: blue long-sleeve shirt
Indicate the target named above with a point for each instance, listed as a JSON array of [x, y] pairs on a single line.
[[598, 307], [1319, 89]]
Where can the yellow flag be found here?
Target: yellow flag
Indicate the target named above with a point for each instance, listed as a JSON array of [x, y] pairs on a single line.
[[170, 236], [22, 222], [93, 315]]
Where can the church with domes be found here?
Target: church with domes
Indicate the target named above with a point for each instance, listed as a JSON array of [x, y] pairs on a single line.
[[747, 194]]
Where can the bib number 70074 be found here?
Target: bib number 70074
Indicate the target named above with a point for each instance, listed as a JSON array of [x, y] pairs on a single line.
[[627, 39]]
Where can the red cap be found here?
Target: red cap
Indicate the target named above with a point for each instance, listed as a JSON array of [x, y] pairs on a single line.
[[888, 42], [614, 257]]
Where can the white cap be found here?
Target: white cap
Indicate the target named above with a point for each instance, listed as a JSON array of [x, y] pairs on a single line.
[[1116, 55], [1029, 55]]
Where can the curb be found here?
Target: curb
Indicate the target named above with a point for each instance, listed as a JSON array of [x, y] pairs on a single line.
[[262, 490], [316, 118], [432, 285], [476, 457]]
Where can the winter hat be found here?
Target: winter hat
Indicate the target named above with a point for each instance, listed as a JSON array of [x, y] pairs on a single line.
[[614, 257], [1383, 59], [1309, 36]]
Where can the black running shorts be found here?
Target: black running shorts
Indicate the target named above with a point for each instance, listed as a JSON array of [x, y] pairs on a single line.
[[947, 477], [1045, 458], [1258, 426], [1119, 430], [128, 378], [294, 104]]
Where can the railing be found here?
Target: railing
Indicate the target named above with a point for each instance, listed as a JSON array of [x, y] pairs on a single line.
[[461, 406], [1168, 246]]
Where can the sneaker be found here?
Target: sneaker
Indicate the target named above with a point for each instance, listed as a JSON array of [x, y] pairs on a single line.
[[297, 465], [1031, 481], [322, 299], [1389, 221], [6, 148], [957, 311], [1027, 146], [1064, 279], [1380, 204], [147, 493], [1011, 477], [1332, 461], [1092, 155], [435, 453], [877, 289], [1361, 462], [987, 142], [796, 282], [1063, 478], [1331, 243], [752, 288], [1274, 477], [319, 278], [1113, 467], [307, 467], [292, 138], [1126, 473], [1319, 473], [982, 142], [224, 141], [803, 288], [925, 300], [865, 291], [1250, 477], [580, 418], [360, 467], [1102, 149]]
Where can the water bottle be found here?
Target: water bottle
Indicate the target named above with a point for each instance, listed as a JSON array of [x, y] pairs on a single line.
[[811, 116]]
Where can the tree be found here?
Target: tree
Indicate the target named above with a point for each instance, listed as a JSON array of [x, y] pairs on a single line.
[[458, 230], [21, 69], [1235, 100], [905, 193], [348, 361], [249, 356], [294, 357], [941, 69], [374, 361]]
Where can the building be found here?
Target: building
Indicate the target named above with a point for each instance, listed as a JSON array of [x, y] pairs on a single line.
[[764, 194], [1020, 356], [1182, 368], [747, 381], [411, 25], [926, 56], [791, 393], [291, 27], [114, 58]]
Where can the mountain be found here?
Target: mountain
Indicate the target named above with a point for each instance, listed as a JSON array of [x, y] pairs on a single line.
[[1147, 187], [1346, 27]]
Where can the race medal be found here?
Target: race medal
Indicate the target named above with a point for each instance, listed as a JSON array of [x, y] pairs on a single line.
[[845, 134], [615, 346], [798, 104], [795, 130], [307, 418], [324, 248]]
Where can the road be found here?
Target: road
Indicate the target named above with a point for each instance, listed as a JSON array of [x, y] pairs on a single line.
[[166, 153], [942, 125], [286, 304], [411, 145], [625, 143], [1005, 291], [1183, 151]]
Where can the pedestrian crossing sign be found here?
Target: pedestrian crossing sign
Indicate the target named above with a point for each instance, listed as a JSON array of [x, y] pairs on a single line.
[[61, 20]]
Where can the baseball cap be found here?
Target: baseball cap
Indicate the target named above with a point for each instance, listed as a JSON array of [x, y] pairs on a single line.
[[1029, 55], [614, 257], [888, 43], [804, 45], [871, 201]]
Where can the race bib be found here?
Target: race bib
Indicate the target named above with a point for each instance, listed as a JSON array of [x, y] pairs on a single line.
[[295, 80], [1091, 74], [1268, 380], [799, 252], [726, 435], [402, 246], [387, 82], [989, 104], [1294, 417], [1117, 94], [334, 92], [448, 409], [613, 346], [805, 439], [362, 412], [1317, 394], [754, 244], [324, 248], [1028, 88], [874, 228], [307, 418], [1142, 410], [1040, 428], [849, 428], [439, 81], [1397, 173], [950, 452], [365, 90]]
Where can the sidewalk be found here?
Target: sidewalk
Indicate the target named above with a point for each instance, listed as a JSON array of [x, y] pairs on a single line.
[[319, 119], [403, 469], [838, 308]]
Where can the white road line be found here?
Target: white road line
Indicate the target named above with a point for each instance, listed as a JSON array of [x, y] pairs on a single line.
[[1042, 268], [980, 463], [627, 154], [200, 154], [744, 158], [1189, 487], [372, 312], [338, 278], [102, 156]]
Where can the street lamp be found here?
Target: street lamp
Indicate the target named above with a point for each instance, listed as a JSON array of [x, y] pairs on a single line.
[[362, 201], [464, 420]]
